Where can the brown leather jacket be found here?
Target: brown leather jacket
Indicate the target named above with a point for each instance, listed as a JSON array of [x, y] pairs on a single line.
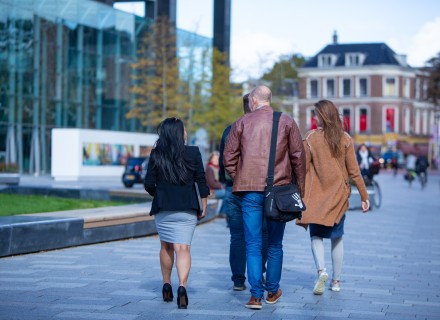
[[246, 155]]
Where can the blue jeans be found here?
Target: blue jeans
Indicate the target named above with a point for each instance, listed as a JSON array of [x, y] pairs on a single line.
[[237, 247], [252, 208]]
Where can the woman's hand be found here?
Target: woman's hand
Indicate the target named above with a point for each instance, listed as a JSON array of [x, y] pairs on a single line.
[[365, 205], [201, 216]]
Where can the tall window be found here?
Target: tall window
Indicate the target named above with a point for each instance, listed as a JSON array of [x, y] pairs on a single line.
[[363, 87], [310, 120], [330, 88], [363, 120], [390, 88], [314, 88], [407, 120], [346, 119], [406, 87], [346, 87], [390, 114]]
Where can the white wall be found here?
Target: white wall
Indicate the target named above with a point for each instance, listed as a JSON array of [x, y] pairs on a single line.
[[67, 152]]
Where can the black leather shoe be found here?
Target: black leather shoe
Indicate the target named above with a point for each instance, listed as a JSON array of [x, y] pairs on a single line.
[[167, 292], [182, 298]]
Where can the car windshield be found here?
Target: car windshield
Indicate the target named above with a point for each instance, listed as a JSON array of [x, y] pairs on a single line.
[[135, 161]]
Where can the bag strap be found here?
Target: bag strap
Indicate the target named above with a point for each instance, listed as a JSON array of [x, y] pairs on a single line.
[[273, 146]]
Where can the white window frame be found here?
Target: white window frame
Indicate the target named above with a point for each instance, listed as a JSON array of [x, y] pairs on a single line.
[[425, 122], [350, 59], [417, 93], [357, 118], [407, 120], [384, 118], [417, 122], [341, 87], [309, 88], [358, 86], [406, 88], [326, 89], [352, 116], [396, 84], [326, 60]]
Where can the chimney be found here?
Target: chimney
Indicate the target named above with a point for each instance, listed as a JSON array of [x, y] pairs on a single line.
[[335, 37]]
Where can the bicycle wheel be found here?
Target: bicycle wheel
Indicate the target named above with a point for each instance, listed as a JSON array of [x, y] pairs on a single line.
[[377, 195], [423, 179]]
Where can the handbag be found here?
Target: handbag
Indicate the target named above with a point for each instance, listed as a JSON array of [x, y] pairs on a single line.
[[281, 203], [199, 199]]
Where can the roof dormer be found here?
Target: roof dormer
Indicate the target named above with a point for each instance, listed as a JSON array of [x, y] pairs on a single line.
[[327, 60], [354, 59]]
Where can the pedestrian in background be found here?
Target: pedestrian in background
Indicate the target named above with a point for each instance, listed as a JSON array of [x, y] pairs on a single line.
[[246, 160], [172, 170], [212, 176], [364, 159], [330, 162], [232, 205]]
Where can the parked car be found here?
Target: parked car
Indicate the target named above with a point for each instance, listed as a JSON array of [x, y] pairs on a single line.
[[135, 171]]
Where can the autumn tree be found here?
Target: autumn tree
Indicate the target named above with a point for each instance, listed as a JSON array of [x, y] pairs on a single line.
[[158, 88], [283, 73], [225, 103], [434, 80]]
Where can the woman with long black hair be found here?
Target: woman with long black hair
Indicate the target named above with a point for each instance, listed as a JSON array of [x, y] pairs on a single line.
[[172, 170]]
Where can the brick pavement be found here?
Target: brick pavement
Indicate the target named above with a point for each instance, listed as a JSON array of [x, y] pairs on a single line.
[[391, 271]]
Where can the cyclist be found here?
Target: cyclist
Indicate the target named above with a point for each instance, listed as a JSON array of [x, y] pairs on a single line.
[[366, 163], [410, 167], [422, 165]]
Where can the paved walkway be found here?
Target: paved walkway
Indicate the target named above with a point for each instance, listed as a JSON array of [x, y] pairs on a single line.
[[391, 271]]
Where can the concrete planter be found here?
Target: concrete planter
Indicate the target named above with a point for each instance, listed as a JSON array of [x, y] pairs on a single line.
[[9, 178]]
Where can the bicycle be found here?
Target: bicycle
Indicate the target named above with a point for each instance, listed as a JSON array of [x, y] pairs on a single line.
[[410, 176], [374, 192]]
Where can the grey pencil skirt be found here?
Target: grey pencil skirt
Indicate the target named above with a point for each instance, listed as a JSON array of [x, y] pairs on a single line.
[[176, 226]]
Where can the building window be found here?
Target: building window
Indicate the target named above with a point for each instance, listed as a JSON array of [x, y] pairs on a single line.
[[311, 121], [330, 86], [362, 121], [417, 122], [417, 89], [390, 119], [346, 87], [314, 88], [390, 88], [363, 87], [326, 60], [346, 119], [407, 120], [354, 59], [406, 87]]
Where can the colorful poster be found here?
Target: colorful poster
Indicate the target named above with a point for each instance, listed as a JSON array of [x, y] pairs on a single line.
[[105, 154]]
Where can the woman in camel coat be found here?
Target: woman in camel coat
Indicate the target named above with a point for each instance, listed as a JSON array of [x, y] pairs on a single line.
[[330, 161]]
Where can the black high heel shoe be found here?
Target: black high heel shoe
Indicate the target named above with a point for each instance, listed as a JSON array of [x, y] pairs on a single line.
[[182, 298], [167, 292]]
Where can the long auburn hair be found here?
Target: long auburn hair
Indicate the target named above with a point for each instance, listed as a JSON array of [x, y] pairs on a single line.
[[169, 152], [331, 123]]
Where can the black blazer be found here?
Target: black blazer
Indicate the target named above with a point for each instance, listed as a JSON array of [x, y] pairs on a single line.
[[172, 197]]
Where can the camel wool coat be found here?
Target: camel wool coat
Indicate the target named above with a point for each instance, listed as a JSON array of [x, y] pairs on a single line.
[[327, 188]]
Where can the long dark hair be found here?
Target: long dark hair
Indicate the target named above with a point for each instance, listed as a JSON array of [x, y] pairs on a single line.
[[169, 152], [329, 120]]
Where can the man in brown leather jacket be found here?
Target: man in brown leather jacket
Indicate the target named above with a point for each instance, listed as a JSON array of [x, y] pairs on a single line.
[[246, 159]]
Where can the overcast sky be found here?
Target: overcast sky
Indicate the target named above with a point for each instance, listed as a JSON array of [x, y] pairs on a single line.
[[262, 30]]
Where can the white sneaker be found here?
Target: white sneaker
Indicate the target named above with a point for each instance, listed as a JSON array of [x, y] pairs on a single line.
[[335, 286], [320, 283]]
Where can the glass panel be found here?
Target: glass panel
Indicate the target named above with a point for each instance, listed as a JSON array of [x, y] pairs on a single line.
[[347, 87], [312, 120], [363, 87], [390, 87], [346, 118], [330, 88], [314, 88]]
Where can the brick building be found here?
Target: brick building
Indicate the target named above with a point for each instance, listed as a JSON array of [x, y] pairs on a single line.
[[381, 99]]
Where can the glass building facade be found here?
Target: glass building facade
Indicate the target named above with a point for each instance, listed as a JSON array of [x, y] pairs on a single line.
[[67, 64]]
